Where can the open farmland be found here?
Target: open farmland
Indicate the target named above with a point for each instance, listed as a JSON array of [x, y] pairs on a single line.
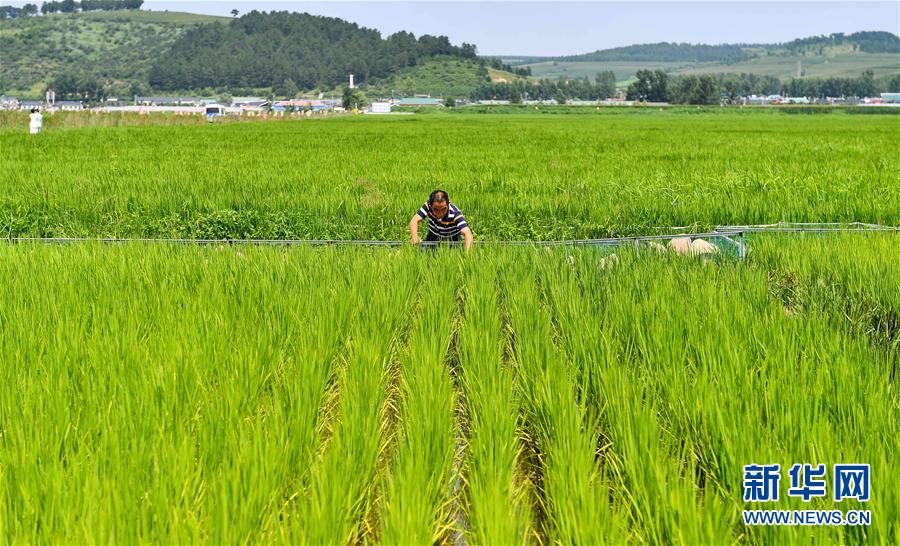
[[185, 394], [515, 177], [163, 393], [839, 64]]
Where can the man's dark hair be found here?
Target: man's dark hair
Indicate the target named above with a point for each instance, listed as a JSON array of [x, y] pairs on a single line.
[[435, 193]]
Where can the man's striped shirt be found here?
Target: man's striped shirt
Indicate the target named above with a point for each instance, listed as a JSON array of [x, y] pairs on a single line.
[[449, 226]]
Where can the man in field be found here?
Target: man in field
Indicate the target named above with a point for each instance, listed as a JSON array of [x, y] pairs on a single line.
[[445, 222]]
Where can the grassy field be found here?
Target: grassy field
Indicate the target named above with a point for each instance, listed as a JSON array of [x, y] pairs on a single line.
[[625, 71], [225, 394], [221, 395], [159, 17], [442, 77], [515, 177], [844, 65]]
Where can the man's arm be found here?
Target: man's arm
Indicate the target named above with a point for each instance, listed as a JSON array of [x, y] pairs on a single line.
[[414, 229], [468, 239]]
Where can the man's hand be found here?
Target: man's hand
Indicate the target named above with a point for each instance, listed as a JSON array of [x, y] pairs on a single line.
[[414, 229], [468, 239]]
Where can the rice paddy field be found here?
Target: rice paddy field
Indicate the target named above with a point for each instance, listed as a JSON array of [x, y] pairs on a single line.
[[515, 177], [235, 394]]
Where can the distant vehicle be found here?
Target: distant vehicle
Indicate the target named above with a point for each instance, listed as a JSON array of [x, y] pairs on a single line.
[[212, 111]]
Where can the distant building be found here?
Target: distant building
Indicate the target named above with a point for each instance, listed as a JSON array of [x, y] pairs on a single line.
[[300, 104], [251, 101], [29, 104], [890, 98], [9, 103], [380, 108], [170, 101], [69, 105], [795, 100], [417, 102]]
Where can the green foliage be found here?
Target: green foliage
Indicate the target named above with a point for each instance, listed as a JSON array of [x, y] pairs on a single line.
[[287, 89], [265, 49], [435, 77], [665, 51], [515, 177], [117, 48], [352, 98], [185, 394], [694, 90], [867, 41], [544, 89], [837, 55], [235, 394], [651, 86]]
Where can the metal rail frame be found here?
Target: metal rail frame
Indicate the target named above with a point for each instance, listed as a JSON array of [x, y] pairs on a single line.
[[735, 235]]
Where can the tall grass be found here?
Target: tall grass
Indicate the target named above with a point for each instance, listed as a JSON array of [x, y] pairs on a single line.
[[572, 491], [342, 480], [241, 395], [418, 488], [515, 177], [497, 509]]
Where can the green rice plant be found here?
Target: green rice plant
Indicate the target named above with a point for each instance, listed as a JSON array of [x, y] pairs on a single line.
[[515, 177], [496, 507], [653, 480], [749, 383], [341, 481], [169, 371], [229, 394], [418, 487], [572, 493]]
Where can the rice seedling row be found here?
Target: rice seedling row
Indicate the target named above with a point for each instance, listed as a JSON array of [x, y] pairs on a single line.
[[418, 487], [515, 177], [497, 508], [198, 395]]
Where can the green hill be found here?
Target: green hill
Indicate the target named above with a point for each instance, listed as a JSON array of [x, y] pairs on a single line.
[[850, 64], [439, 76], [120, 53], [95, 55], [118, 46], [836, 55]]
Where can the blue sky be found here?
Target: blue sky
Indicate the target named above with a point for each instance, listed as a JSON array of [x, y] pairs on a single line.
[[562, 28]]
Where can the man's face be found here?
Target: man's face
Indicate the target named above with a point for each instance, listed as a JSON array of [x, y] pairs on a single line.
[[439, 206]]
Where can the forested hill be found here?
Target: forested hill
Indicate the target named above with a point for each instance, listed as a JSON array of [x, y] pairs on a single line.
[[100, 54], [865, 42], [113, 50], [665, 51], [269, 49]]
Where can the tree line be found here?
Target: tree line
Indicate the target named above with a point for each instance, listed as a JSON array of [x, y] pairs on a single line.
[[658, 86], [865, 41], [292, 50], [665, 51], [68, 6], [601, 87], [10, 12]]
